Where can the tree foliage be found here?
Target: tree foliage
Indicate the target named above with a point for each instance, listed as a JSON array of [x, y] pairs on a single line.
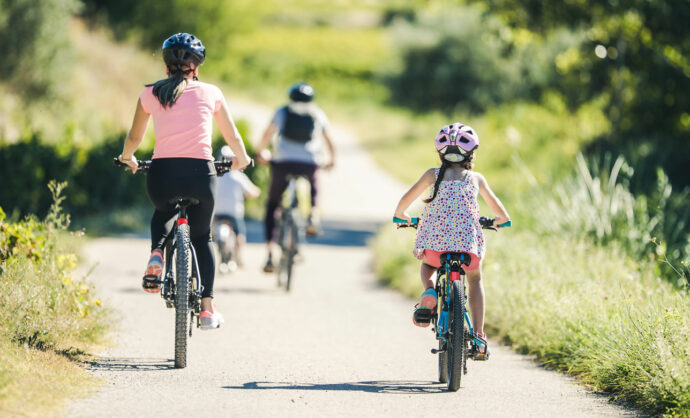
[[214, 22], [35, 44], [635, 58]]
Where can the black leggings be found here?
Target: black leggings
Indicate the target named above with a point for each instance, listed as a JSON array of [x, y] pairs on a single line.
[[170, 178], [279, 182]]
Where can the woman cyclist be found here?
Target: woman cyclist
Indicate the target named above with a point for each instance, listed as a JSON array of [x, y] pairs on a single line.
[[183, 110], [450, 220]]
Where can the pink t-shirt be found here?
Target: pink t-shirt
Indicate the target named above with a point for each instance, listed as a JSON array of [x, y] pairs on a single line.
[[184, 130]]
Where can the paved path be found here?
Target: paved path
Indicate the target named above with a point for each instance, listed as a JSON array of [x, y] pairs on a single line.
[[337, 345]]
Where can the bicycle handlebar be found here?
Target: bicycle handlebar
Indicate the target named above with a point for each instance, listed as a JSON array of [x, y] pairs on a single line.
[[222, 167], [486, 223]]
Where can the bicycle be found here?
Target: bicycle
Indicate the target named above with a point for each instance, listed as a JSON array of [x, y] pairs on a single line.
[[452, 327], [181, 284], [225, 238], [290, 234]]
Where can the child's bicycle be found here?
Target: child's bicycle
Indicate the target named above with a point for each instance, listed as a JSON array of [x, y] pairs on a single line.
[[457, 340], [226, 240], [290, 234], [181, 285]]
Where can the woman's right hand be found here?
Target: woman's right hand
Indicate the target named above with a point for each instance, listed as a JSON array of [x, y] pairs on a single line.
[[131, 163], [240, 162]]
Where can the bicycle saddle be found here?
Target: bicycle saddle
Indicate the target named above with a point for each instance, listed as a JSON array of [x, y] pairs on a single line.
[[457, 259], [183, 201]]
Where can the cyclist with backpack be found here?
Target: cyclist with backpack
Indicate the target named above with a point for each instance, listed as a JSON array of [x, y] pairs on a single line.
[[183, 110], [297, 131]]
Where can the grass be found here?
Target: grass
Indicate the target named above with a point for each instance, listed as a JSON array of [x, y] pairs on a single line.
[[584, 310]]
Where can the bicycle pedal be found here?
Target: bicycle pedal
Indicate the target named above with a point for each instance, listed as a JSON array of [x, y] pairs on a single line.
[[436, 351]]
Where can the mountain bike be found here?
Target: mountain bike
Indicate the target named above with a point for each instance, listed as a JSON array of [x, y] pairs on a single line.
[[452, 327], [290, 233], [181, 285]]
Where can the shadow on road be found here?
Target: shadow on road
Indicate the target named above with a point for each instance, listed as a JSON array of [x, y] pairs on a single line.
[[398, 387], [346, 233], [119, 364]]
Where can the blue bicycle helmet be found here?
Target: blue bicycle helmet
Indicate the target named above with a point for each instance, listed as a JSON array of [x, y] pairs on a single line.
[[301, 92], [184, 42]]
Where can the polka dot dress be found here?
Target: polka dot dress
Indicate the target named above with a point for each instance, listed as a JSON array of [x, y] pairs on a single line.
[[451, 221]]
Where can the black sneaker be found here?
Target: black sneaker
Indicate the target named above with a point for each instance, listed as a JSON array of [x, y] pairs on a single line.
[[268, 267], [313, 227]]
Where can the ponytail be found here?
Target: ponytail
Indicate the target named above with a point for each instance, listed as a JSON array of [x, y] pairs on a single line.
[[168, 90], [441, 173], [467, 164]]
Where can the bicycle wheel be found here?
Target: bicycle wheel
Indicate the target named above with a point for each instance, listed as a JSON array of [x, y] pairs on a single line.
[[442, 364], [456, 337], [291, 252], [182, 273]]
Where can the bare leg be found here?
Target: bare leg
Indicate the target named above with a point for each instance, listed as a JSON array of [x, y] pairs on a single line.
[[476, 294], [239, 244], [207, 304], [427, 274]]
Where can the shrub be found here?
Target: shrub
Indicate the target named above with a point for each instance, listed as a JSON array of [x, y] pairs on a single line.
[[44, 305]]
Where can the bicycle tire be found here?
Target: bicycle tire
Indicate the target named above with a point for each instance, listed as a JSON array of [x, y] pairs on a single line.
[[292, 251], [182, 272], [456, 336], [442, 364], [282, 235]]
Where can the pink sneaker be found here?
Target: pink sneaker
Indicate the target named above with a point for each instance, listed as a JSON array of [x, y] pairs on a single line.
[[154, 271], [424, 310]]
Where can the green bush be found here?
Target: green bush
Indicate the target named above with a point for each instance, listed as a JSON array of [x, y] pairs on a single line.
[[96, 185], [468, 58], [44, 305]]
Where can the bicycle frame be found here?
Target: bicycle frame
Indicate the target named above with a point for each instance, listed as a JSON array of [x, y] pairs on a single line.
[[449, 272], [168, 293]]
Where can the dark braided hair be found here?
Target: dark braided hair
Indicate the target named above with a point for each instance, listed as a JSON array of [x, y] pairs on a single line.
[[467, 164], [168, 90]]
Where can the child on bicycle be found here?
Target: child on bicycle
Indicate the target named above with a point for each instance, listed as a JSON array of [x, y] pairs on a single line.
[[450, 220], [230, 194], [183, 110]]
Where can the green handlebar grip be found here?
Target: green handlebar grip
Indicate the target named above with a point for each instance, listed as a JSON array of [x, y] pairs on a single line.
[[402, 221], [506, 224]]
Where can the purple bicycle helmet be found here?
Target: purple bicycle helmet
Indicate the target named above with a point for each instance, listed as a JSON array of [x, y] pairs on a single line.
[[456, 142]]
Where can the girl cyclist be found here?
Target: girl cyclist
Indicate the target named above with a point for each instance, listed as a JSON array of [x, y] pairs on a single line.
[[183, 110], [450, 220]]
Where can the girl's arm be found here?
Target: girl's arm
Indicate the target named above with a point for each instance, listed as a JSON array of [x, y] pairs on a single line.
[[249, 189], [134, 138], [232, 137], [494, 202], [262, 153], [427, 179], [329, 144]]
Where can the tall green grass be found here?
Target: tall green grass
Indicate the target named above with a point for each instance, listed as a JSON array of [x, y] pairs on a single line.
[[583, 309], [595, 203]]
